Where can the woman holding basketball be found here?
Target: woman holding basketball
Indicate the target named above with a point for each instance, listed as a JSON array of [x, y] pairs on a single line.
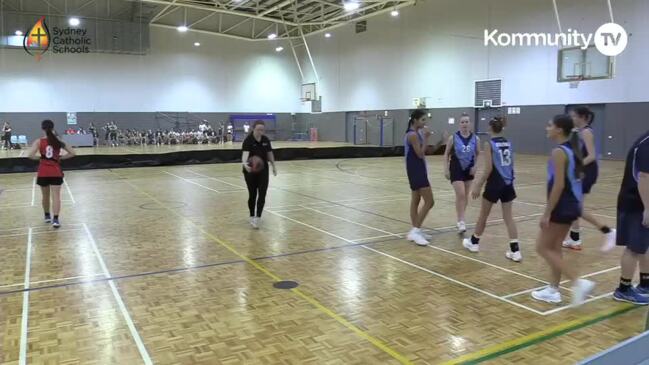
[[257, 154], [563, 207], [499, 176], [583, 117], [460, 158], [50, 174], [415, 142]]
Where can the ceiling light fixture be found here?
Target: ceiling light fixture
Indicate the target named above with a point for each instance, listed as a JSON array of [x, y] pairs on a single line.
[[351, 5]]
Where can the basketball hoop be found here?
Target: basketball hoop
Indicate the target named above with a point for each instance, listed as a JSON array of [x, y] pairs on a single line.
[[575, 80]]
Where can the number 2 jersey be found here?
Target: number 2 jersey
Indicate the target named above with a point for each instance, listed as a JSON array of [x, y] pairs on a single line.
[[502, 156], [50, 165]]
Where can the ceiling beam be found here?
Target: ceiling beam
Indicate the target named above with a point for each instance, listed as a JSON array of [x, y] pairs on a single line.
[[201, 19], [161, 12], [49, 4], [233, 36], [217, 10], [276, 7]]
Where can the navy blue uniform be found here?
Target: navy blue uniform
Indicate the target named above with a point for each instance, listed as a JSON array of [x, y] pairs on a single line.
[[630, 231], [591, 171], [415, 166], [463, 157], [569, 206], [500, 183]]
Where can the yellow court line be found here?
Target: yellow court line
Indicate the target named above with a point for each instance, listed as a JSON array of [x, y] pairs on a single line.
[[373, 340], [536, 337]]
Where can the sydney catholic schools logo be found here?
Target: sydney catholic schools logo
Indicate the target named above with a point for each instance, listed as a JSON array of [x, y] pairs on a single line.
[[63, 40], [37, 40]]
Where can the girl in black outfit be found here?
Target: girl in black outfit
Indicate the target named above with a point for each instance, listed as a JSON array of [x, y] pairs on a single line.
[[6, 130], [257, 144]]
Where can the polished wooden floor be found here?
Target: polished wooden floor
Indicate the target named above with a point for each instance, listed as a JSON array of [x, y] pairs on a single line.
[[159, 265], [148, 149]]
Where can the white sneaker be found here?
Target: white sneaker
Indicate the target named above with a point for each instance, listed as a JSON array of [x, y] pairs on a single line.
[[461, 227], [417, 238], [411, 235], [254, 223], [547, 294], [610, 240], [571, 244], [470, 246], [580, 291], [514, 256], [426, 236]]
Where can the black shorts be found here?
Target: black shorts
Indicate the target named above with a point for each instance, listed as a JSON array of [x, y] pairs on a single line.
[[631, 233], [563, 215], [47, 181], [457, 174], [590, 178], [504, 193]]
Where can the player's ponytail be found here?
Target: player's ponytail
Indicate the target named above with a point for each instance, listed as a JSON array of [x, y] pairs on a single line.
[[54, 141], [497, 124], [586, 113], [415, 115], [567, 126]]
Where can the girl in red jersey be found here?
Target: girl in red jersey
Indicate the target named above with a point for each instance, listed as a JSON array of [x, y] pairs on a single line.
[[50, 174]]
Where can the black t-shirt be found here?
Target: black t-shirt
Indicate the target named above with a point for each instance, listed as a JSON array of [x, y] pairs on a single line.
[[636, 162], [258, 148]]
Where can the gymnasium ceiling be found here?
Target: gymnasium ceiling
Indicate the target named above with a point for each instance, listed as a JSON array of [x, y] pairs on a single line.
[[242, 19]]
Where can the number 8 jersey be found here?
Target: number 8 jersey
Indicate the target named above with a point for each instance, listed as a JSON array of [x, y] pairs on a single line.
[[502, 156], [49, 165]]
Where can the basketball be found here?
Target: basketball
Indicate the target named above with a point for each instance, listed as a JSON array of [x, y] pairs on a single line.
[[256, 164]]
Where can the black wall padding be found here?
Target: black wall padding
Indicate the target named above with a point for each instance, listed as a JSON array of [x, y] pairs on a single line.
[[84, 162], [87, 162]]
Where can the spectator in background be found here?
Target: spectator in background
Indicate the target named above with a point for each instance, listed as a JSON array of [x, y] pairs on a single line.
[[93, 131], [112, 133], [6, 135]]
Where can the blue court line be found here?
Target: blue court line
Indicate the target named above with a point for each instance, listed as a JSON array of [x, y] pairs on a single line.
[[181, 269]]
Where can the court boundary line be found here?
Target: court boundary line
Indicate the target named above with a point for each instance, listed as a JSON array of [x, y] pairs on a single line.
[[564, 281], [24, 321], [503, 348], [118, 299], [67, 187], [417, 266], [455, 281], [40, 232], [51, 280], [351, 242], [503, 298], [191, 182], [33, 192], [396, 235], [314, 302]]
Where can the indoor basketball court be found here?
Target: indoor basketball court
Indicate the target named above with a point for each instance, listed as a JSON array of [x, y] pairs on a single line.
[[157, 259]]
